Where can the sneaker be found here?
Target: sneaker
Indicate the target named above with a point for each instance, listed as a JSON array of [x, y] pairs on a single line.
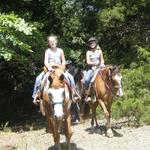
[[76, 97], [87, 99], [36, 99]]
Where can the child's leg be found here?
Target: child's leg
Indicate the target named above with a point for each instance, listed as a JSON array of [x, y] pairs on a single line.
[[37, 86]]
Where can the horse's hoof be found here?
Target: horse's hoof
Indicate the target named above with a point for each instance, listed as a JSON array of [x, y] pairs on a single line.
[[109, 133], [77, 121]]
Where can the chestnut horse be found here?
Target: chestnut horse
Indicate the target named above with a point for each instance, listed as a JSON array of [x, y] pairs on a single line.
[[56, 103], [105, 87]]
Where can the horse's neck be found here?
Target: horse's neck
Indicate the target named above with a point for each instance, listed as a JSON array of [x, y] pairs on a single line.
[[104, 74]]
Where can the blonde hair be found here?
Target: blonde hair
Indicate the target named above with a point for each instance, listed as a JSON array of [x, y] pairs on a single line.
[[52, 36], [98, 47]]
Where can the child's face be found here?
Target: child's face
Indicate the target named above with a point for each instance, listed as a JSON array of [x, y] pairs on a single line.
[[52, 42], [92, 44]]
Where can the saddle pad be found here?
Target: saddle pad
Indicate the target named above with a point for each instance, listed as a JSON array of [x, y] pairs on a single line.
[[94, 75]]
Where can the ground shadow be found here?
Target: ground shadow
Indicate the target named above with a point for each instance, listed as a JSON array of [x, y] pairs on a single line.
[[101, 129], [24, 121], [73, 147]]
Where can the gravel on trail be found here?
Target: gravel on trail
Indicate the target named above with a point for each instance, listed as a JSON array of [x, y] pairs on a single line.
[[83, 138]]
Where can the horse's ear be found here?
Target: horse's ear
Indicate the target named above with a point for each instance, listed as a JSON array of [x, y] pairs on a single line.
[[110, 71], [111, 68], [120, 66]]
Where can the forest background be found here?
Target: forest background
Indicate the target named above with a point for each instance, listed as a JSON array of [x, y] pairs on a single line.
[[121, 27]]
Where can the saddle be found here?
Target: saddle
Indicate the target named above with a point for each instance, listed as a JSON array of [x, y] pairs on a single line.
[[90, 91]]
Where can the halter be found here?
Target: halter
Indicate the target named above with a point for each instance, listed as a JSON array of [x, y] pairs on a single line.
[[60, 102]]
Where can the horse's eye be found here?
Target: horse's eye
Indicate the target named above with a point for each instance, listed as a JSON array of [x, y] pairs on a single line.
[[61, 77], [50, 79]]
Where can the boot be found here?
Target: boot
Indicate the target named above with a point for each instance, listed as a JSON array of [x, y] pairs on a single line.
[[36, 99], [76, 97], [87, 94]]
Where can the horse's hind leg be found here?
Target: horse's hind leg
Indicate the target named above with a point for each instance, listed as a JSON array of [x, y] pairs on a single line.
[[95, 105], [94, 118], [68, 132]]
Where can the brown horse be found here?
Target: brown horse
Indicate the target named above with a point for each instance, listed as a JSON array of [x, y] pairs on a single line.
[[106, 86], [56, 103]]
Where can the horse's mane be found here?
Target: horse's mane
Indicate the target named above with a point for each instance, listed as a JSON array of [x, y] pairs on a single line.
[[113, 68]]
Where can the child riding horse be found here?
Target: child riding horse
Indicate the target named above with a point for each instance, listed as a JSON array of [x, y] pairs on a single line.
[[105, 86]]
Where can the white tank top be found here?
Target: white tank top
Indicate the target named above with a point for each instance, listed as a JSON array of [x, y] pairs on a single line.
[[94, 56], [55, 56]]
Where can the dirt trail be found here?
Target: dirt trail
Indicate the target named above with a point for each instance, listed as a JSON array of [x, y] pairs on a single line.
[[83, 139]]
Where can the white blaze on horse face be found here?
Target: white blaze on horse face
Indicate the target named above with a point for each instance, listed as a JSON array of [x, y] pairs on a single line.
[[118, 78], [57, 98], [58, 110]]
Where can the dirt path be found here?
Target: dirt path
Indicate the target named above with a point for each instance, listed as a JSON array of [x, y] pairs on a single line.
[[83, 139]]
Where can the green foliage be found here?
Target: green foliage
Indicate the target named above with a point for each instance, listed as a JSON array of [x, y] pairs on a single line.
[[145, 118], [132, 108], [122, 28], [136, 99], [110, 17], [14, 31], [5, 127], [143, 55]]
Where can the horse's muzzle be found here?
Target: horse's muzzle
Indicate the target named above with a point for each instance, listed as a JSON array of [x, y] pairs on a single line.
[[119, 92], [59, 118]]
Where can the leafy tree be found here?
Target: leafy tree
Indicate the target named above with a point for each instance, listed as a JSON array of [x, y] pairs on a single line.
[[122, 28], [14, 30]]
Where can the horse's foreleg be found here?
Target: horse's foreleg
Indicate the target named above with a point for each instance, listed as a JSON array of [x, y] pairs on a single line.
[[107, 116], [106, 113], [108, 124], [42, 109], [56, 135], [53, 128], [68, 132]]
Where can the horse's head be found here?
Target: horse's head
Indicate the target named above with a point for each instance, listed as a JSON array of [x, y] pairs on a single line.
[[56, 78], [56, 92], [116, 77]]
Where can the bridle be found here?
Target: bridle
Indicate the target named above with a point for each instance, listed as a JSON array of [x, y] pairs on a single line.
[[111, 83], [64, 86]]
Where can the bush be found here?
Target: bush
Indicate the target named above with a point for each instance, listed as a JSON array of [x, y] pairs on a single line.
[[136, 99]]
